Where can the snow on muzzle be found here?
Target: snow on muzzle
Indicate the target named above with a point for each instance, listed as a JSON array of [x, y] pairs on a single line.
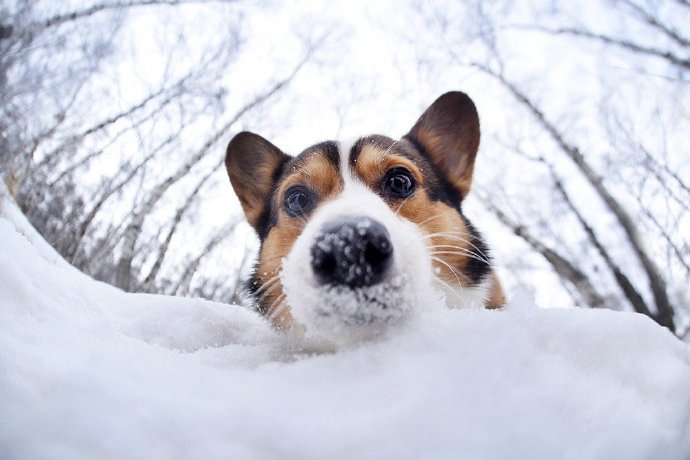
[[344, 277], [354, 252], [351, 260], [352, 273]]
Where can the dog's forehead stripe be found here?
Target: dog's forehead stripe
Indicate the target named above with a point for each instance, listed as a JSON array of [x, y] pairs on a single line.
[[344, 153]]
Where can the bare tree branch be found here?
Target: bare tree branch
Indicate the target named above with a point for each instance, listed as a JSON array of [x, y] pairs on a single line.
[[109, 191], [657, 284], [566, 270], [179, 214], [182, 286], [63, 18], [170, 92], [683, 63], [656, 23], [682, 259], [633, 296], [630, 292], [123, 278]]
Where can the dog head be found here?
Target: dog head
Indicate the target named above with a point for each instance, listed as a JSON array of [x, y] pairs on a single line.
[[354, 235]]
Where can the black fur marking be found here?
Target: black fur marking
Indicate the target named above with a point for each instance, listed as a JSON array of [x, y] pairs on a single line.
[[269, 216], [381, 142], [437, 185], [439, 188], [443, 190], [251, 286], [356, 149], [329, 149], [332, 153], [477, 268]]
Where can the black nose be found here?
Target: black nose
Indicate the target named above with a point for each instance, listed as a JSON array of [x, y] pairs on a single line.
[[354, 252]]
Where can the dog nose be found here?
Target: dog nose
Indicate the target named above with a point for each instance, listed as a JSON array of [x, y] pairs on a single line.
[[354, 252]]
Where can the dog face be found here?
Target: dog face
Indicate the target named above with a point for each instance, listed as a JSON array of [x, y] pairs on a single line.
[[354, 235]]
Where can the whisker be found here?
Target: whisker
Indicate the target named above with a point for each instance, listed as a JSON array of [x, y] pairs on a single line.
[[438, 259], [450, 288], [278, 311], [267, 284], [302, 219], [461, 249], [391, 146], [397, 211], [469, 254], [457, 236], [276, 305], [446, 233], [269, 291]]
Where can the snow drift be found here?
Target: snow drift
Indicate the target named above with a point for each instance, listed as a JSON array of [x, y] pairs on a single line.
[[87, 371]]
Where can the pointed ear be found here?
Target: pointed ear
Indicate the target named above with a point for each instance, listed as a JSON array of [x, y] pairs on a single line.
[[253, 164], [448, 133]]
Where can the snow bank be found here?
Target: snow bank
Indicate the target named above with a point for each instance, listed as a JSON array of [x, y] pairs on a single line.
[[87, 371]]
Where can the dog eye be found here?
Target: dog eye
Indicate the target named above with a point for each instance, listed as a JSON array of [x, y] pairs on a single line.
[[399, 183], [298, 201]]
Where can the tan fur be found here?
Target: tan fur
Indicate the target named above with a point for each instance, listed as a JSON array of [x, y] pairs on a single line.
[[322, 178], [251, 203], [446, 234], [446, 136], [449, 132], [251, 162], [459, 169], [497, 297]]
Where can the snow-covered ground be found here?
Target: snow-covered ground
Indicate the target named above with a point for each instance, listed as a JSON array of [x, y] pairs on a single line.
[[87, 371]]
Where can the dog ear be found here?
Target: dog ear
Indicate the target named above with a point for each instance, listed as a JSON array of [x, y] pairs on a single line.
[[448, 133], [253, 164]]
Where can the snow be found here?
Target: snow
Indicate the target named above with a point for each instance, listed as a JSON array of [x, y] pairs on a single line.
[[87, 371]]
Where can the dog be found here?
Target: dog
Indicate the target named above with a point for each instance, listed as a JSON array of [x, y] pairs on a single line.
[[355, 235]]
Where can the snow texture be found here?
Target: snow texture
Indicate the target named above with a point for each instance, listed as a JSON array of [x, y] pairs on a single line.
[[87, 371]]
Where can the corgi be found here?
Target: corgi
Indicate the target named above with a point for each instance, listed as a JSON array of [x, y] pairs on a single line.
[[357, 235]]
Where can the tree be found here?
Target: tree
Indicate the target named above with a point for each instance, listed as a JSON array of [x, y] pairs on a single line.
[[112, 171], [614, 238]]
